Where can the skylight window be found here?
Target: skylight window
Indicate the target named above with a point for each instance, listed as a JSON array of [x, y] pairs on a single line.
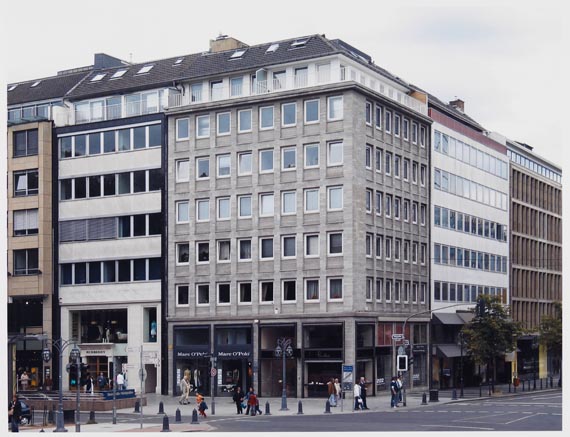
[[119, 73], [145, 69], [13, 87], [238, 54], [98, 77], [178, 61], [272, 48], [300, 42], [35, 84]]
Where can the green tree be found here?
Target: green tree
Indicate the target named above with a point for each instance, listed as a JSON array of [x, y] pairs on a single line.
[[551, 332], [491, 333]]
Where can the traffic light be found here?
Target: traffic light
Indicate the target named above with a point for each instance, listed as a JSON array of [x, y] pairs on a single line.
[[402, 363], [72, 369], [84, 372]]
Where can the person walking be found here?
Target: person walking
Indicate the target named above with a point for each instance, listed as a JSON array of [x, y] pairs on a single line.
[[101, 382], [331, 392], [24, 380], [400, 385], [357, 399], [89, 386], [363, 392], [337, 391], [394, 393], [120, 381], [15, 413], [238, 399], [202, 406], [184, 388]]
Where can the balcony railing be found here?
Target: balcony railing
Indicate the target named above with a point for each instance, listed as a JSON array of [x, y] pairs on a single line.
[[112, 112]]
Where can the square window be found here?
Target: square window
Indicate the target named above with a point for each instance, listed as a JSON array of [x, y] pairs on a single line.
[[182, 170], [334, 108], [202, 168], [335, 289], [244, 292], [266, 245], [335, 243], [267, 208], [244, 120], [244, 247], [311, 246], [244, 206], [311, 289], [335, 198], [311, 200], [203, 210], [203, 126], [223, 208], [289, 291], [288, 202], [202, 294], [289, 246], [182, 296], [288, 158], [244, 163], [224, 166], [311, 156], [26, 183], [224, 250], [311, 111], [202, 252], [266, 161], [266, 117], [182, 253], [182, 212], [223, 123], [334, 154], [289, 114], [266, 291]]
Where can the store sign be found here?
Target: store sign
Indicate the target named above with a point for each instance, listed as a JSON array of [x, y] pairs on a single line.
[[95, 352], [419, 348], [234, 354], [195, 354]]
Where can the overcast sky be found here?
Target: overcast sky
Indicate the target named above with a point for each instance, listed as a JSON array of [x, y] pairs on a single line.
[[506, 59]]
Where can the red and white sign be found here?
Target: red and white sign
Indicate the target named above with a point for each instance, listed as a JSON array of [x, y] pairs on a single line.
[[213, 371]]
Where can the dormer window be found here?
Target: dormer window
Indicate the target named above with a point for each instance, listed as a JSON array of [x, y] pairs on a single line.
[[119, 73], [178, 61], [272, 48], [145, 69], [35, 84], [98, 77], [299, 42], [13, 87], [238, 54]]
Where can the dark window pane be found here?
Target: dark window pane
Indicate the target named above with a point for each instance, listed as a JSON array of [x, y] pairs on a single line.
[[224, 293], [33, 261], [66, 274], [183, 295], [80, 145], [109, 271], [154, 270], [139, 227], [80, 273], [154, 224], [124, 139], [154, 138], [139, 134], [94, 272], [33, 182], [154, 179], [124, 183], [32, 142], [80, 188], [65, 191], [140, 269], [65, 147], [94, 186], [125, 226], [139, 184], [20, 143], [124, 270], [109, 185], [94, 144], [109, 141]]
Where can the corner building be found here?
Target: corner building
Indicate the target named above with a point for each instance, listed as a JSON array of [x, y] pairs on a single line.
[[298, 200]]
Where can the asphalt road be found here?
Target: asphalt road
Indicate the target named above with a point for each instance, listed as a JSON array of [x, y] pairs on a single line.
[[533, 412]]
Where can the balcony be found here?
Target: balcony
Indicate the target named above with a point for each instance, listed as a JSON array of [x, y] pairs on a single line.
[[112, 112]]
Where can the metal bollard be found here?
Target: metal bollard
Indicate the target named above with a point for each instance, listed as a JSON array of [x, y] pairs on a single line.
[[160, 408], [541, 383], [165, 425], [267, 409], [480, 388], [551, 382], [489, 388], [50, 415], [424, 399], [454, 395], [509, 386], [300, 408], [91, 420], [178, 416], [33, 415], [327, 407], [194, 417], [137, 407]]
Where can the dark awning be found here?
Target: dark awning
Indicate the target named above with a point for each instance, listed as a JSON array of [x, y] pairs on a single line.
[[448, 319], [449, 350]]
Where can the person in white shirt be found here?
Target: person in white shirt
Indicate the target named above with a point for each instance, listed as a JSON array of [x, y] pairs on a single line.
[[357, 400], [120, 381]]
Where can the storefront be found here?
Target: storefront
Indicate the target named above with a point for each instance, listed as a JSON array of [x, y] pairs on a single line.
[[234, 358], [271, 366], [365, 355], [192, 354]]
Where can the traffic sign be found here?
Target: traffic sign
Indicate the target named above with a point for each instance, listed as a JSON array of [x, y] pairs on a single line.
[[142, 374], [397, 336], [213, 371], [401, 350]]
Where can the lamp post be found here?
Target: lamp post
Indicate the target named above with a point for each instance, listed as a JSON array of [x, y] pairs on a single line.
[[76, 356], [461, 339], [534, 360], [284, 350], [60, 345]]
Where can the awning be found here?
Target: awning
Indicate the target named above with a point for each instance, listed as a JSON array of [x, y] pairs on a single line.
[[448, 319], [450, 350]]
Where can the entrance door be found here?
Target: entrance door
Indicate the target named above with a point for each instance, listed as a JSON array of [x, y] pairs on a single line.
[[150, 381]]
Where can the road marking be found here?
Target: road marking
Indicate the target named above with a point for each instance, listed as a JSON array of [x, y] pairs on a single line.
[[521, 418], [463, 427]]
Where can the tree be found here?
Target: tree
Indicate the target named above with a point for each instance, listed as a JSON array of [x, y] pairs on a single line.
[[551, 332], [491, 333]]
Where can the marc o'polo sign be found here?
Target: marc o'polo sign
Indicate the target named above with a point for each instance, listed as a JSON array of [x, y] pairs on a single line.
[[196, 354], [234, 354]]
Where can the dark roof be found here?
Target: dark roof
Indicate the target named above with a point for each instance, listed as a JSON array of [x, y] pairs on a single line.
[[453, 112], [49, 88]]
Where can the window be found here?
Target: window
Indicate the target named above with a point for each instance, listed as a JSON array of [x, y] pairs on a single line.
[[397, 166], [368, 200], [26, 262], [203, 210], [266, 291], [379, 160], [244, 163], [244, 247], [406, 129], [396, 125], [388, 250], [369, 284], [182, 212], [182, 170], [335, 243], [334, 108], [202, 252], [203, 126], [379, 244], [288, 202], [217, 90], [202, 294], [406, 251], [236, 86], [423, 214], [289, 291], [311, 156], [272, 48], [414, 172], [311, 245], [266, 161], [397, 247], [244, 120], [311, 200], [288, 158], [388, 207], [311, 111], [289, 246], [25, 143], [368, 113], [25, 183], [224, 294], [406, 169], [378, 118], [289, 114], [414, 137], [423, 175], [388, 121], [224, 166], [182, 295], [244, 206], [335, 200], [379, 201], [223, 208], [312, 289], [406, 210], [266, 244], [368, 245], [223, 123], [266, 117], [368, 157], [182, 253], [335, 289], [266, 202], [80, 145], [397, 208], [26, 222], [145, 69], [224, 250], [244, 292], [334, 154], [94, 144], [397, 290], [196, 92], [422, 142], [182, 129], [98, 77], [388, 163], [203, 168], [414, 212]]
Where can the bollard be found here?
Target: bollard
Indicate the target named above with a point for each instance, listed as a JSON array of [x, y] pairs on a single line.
[[300, 408], [33, 415], [551, 382], [50, 415], [42, 430], [177, 416], [194, 417], [454, 395], [509, 386], [160, 408], [424, 398], [327, 407], [523, 382], [165, 426], [91, 420], [137, 407], [489, 388], [480, 388], [267, 410], [541, 383], [44, 416]]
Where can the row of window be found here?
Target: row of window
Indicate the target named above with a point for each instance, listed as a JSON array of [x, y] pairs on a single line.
[[104, 228], [130, 182], [399, 127], [28, 112], [394, 206], [463, 187], [26, 222], [26, 262], [26, 182], [104, 272], [110, 141], [455, 220], [401, 168], [243, 246], [457, 149], [397, 291], [25, 143], [534, 166], [404, 250], [452, 292], [311, 114], [266, 205], [268, 292], [468, 258], [110, 108]]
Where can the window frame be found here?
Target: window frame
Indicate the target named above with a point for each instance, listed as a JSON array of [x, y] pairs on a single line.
[[329, 298], [283, 108], [305, 121], [178, 137]]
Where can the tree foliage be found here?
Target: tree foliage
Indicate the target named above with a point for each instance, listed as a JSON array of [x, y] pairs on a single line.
[[551, 330]]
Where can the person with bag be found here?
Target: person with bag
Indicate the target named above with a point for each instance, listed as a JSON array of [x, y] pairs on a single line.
[[357, 398], [337, 390], [400, 384], [394, 393], [331, 392], [15, 413], [238, 399], [363, 392], [184, 388], [202, 406]]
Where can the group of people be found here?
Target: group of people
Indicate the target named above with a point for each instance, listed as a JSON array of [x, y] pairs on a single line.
[[396, 391], [248, 400], [334, 391], [185, 396], [360, 395]]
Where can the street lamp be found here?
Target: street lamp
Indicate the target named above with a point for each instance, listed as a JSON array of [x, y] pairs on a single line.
[[60, 345], [461, 342], [284, 350], [75, 355], [534, 360]]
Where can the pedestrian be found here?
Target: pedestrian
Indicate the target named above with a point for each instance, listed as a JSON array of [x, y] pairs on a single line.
[[15, 413], [202, 406], [238, 399], [252, 403], [363, 392], [357, 398], [24, 380], [337, 391], [394, 393], [120, 381], [89, 386], [184, 388], [331, 392], [400, 385], [101, 381]]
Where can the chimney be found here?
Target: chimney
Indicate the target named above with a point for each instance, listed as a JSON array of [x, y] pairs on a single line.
[[224, 42], [458, 104]]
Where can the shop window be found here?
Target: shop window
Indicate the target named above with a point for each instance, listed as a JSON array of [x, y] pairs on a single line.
[[150, 326]]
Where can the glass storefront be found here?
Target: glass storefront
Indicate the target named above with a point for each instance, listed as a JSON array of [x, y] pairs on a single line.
[[323, 354], [192, 354], [271, 367], [234, 354]]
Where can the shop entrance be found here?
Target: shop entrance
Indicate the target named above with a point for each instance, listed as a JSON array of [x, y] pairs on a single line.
[[234, 373]]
